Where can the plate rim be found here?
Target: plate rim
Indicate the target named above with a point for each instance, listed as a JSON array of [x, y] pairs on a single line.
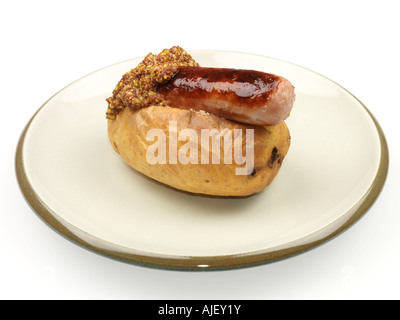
[[201, 263]]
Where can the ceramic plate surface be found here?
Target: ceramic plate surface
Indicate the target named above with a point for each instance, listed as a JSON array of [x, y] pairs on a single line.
[[70, 175]]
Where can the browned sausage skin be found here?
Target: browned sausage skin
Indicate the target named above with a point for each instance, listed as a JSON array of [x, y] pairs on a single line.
[[246, 96]]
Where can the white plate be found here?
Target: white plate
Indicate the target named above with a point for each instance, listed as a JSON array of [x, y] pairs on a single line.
[[71, 176]]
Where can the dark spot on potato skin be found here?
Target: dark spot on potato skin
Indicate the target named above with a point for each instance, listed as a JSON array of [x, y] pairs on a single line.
[[115, 145], [274, 157], [254, 172]]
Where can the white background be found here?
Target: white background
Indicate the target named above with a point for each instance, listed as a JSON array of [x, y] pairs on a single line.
[[45, 45]]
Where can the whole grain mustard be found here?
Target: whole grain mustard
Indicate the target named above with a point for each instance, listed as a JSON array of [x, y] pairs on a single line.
[[138, 87]]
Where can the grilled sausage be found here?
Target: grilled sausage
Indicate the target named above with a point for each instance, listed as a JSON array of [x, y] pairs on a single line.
[[245, 96]]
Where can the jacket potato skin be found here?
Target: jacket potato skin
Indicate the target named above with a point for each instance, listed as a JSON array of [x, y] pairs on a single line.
[[127, 134]]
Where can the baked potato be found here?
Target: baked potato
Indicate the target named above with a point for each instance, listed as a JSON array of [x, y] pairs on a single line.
[[144, 139]]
